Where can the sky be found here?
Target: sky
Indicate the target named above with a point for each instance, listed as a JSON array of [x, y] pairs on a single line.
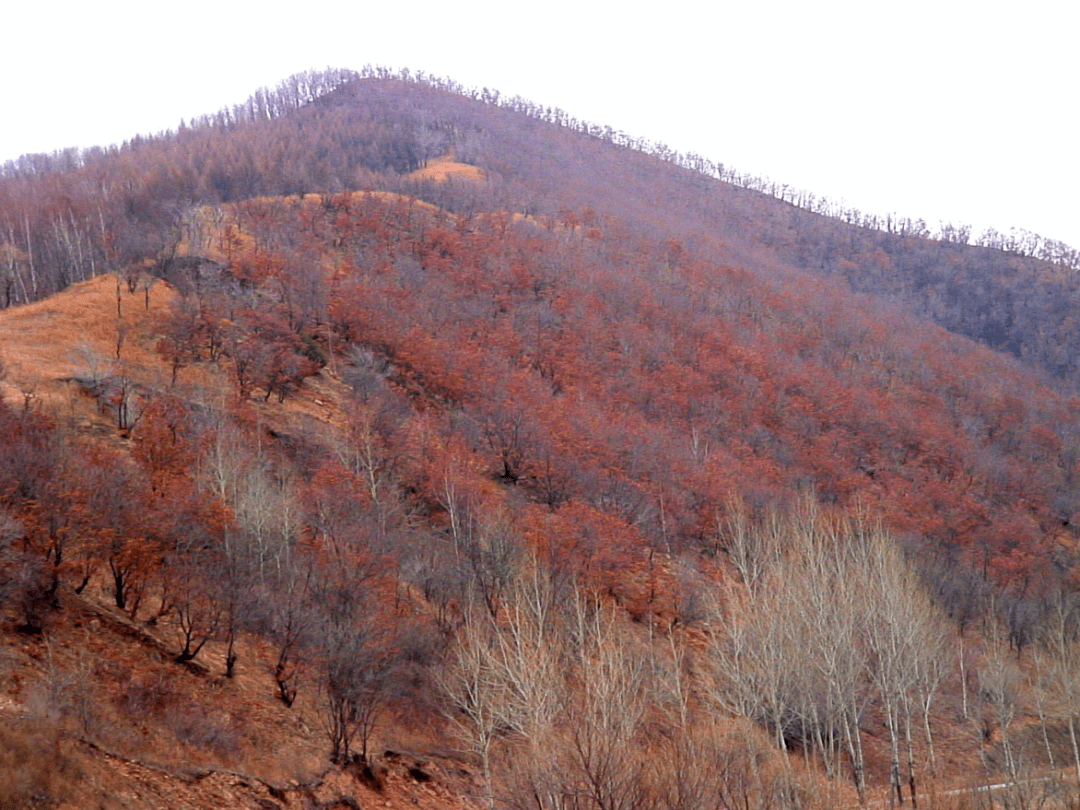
[[948, 110]]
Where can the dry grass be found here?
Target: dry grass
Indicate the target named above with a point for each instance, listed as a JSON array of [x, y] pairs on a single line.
[[443, 168], [48, 346], [77, 334], [34, 772], [92, 717]]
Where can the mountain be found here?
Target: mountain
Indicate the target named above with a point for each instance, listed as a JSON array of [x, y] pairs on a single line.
[[337, 130], [395, 416]]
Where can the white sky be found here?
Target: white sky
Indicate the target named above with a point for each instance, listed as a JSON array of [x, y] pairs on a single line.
[[945, 109]]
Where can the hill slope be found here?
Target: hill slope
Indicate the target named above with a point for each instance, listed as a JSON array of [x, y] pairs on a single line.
[[328, 133], [555, 453]]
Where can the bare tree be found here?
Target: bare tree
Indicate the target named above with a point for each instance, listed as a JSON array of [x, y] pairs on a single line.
[[198, 613], [999, 682], [905, 635], [504, 671], [1060, 646], [287, 618], [836, 607], [748, 547], [24, 581], [358, 660], [792, 659], [269, 516], [604, 757]]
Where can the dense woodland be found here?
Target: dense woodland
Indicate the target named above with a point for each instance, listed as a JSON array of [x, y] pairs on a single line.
[[641, 483]]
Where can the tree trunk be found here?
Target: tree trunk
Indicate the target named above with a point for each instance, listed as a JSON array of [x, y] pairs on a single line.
[[896, 792], [910, 755], [858, 768], [1075, 748]]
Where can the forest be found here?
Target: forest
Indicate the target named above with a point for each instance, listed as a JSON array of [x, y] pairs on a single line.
[[436, 420]]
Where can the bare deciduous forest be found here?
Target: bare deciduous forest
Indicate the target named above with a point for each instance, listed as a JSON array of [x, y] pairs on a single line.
[[382, 440]]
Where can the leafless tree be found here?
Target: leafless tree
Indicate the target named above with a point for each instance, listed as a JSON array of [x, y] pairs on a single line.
[[287, 618], [906, 637], [1059, 653], [836, 607], [198, 613], [269, 516], [358, 658], [604, 757], [504, 673], [999, 691]]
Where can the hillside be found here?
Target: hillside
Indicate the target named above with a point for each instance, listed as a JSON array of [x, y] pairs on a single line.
[[575, 356], [97, 715], [70, 216], [579, 476]]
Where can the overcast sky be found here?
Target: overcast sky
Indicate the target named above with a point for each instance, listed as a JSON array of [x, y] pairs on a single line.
[[942, 109]]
